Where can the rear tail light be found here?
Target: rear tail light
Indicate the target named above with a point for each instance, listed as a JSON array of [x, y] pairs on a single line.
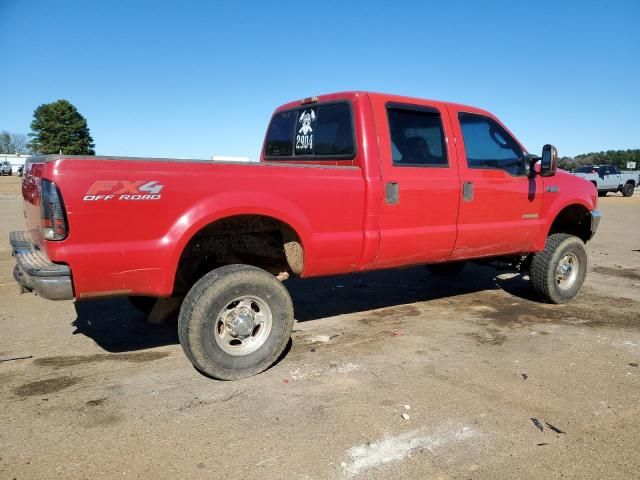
[[54, 223]]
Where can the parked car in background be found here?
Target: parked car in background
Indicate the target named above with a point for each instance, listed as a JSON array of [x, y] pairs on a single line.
[[5, 168], [609, 178]]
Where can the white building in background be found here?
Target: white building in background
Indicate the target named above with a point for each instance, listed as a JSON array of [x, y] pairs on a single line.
[[16, 160], [224, 158]]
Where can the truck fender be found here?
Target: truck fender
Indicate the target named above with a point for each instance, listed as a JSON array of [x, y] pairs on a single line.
[[229, 204], [553, 213]]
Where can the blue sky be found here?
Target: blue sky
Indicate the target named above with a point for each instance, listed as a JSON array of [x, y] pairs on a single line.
[[192, 79]]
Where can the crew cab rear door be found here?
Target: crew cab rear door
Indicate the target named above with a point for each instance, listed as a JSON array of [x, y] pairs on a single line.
[[610, 176], [421, 188], [500, 205]]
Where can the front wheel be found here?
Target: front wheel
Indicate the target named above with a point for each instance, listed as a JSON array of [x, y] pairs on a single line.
[[235, 322], [627, 190], [558, 272]]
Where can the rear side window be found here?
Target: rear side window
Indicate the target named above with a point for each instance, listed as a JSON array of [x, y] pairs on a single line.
[[316, 131], [488, 145], [417, 137]]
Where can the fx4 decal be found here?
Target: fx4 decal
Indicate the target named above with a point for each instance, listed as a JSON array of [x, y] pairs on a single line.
[[104, 190]]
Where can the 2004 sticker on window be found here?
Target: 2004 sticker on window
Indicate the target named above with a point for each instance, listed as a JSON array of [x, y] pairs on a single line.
[[105, 190]]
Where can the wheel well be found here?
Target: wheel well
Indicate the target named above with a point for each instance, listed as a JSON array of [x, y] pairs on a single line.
[[257, 240], [632, 182], [574, 220]]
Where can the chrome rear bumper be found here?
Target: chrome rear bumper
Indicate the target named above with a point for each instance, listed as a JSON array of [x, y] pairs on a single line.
[[34, 272]]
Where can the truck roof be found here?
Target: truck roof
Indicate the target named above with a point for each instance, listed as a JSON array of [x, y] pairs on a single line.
[[350, 95]]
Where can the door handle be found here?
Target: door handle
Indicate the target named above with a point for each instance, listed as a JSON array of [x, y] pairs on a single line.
[[392, 193], [467, 191]]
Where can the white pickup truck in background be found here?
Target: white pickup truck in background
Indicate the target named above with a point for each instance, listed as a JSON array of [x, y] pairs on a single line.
[[609, 178]]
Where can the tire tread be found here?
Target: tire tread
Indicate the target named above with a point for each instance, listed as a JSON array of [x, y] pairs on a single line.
[[540, 267]]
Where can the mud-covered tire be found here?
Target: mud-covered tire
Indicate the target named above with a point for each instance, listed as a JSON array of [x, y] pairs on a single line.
[[204, 306], [449, 269], [143, 304], [628, 189], [546, 270]]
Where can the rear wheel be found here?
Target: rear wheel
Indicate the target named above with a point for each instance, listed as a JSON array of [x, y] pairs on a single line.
[[235, 322], [558, 272], [602, 193], [628, 189]]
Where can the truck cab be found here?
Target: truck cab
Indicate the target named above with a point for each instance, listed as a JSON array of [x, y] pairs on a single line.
[[445, 182]]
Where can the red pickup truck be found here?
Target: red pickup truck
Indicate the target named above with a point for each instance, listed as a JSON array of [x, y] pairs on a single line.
[[347, 182]]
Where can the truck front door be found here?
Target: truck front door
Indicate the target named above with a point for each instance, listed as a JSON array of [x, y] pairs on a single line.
[[421, 188], [500, 205]]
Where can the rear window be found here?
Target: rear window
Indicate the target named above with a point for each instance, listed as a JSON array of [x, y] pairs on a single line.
[[315, 131]]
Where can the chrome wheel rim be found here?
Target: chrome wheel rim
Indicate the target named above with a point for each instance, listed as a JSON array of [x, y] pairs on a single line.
[[243, 325], [567, 271]]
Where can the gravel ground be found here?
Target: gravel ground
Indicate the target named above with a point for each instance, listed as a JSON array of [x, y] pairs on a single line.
[[390, 375]]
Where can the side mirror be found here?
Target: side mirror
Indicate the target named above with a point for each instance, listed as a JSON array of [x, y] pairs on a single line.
[[549, 163], [530, 161]]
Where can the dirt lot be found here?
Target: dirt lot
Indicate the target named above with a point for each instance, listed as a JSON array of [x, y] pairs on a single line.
[[108, 396]]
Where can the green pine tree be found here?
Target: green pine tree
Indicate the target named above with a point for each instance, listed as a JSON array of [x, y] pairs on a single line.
[[59, 127]]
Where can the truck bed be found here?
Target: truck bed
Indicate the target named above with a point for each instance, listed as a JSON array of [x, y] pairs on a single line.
[[138, 241]]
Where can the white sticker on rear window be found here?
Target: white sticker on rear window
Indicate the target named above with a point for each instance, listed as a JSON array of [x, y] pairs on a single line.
[[304, 137]]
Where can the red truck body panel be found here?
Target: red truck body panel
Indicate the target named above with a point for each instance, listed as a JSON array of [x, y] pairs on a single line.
[[337, 207], [120, 247]]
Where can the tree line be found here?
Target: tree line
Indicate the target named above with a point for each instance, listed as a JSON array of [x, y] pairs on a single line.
[[610, 157]]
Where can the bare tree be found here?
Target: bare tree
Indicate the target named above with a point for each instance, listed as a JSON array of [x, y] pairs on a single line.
[[20, 143], [12, 143], [5, 142]]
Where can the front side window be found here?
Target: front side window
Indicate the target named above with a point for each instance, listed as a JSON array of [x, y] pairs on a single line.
[[417, 137], [324, 130], [488, 145]]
